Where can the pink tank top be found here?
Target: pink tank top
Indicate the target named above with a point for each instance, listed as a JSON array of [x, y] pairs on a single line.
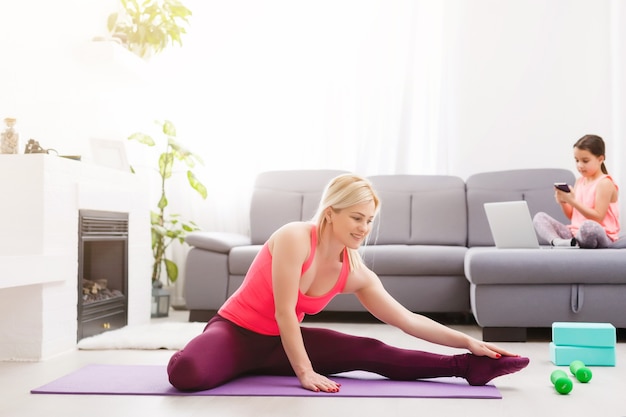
[[586, 194], [252, 305]]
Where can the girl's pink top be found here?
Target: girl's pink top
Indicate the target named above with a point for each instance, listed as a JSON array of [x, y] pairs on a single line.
[[252, 305], [586, 194]]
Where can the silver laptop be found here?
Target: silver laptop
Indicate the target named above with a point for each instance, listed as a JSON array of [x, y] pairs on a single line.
[[511, 225]]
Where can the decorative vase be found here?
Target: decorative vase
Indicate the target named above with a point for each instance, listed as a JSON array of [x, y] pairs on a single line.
[[10, 138]]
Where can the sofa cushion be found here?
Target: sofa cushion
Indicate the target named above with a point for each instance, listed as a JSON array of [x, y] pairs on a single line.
[[420, 210], [241, 258], [285, 207], [414, 259], [280, 197], [384, 260], [545, 266], [220, 242], [536, 186]]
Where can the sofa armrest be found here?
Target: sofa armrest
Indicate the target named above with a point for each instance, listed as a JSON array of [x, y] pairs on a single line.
[[221, 242]]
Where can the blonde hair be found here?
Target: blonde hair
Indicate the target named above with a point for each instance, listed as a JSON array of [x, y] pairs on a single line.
[[344, 191]]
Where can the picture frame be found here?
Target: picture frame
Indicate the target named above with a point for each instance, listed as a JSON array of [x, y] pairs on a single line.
[[110, 153]]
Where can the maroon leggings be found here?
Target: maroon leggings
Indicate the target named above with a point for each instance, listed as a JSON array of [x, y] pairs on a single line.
[[225, 351]]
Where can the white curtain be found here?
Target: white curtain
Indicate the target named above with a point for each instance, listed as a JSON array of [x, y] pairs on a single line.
[[283, 84]]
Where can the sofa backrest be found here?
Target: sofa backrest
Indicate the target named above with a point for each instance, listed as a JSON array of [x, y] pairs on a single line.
[[536, 186], [280, 197], [420, 210], [415, 209]]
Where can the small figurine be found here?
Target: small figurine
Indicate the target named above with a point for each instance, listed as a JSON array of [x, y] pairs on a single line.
[[33, 146]]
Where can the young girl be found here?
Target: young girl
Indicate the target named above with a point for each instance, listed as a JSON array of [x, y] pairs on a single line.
[[591, 206], [301, 267]]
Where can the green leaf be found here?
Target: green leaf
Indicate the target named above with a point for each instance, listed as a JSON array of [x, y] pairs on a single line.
[[155, 240], [173, 234], [162, 202], [172, 270], [142, 138], [150, 26], [168, 128], [198, 159], [155, 218], [111, 21], [159, 230], [166, 162], [196, 185], [177, 149]]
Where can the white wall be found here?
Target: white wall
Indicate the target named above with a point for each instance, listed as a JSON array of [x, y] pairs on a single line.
[[529, 78], [618, 87], [526, 78], [62, 88]]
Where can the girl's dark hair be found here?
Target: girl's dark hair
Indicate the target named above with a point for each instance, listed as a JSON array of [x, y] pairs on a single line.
[[593, 144]]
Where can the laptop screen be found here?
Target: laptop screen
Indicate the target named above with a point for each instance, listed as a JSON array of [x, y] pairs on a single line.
[[511, 224]]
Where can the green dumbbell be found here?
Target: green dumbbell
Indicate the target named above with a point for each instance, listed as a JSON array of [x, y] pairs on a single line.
[[562, 383], [580, 371]]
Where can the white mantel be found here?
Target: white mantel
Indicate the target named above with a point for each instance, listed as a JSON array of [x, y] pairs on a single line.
[[40, 196]]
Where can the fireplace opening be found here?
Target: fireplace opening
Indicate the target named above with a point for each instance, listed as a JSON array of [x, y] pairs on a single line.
[[102, 272]]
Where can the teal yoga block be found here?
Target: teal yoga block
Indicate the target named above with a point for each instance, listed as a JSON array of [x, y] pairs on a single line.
[[591, 356], [583, 334]]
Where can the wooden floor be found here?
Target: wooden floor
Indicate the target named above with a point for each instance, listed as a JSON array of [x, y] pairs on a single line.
[[526, 393]]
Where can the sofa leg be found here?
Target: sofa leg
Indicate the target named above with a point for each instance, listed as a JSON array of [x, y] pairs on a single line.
[[201, 315], [504, 334]]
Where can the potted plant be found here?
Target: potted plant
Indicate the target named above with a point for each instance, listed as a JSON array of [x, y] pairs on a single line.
[[148, 27], [168, 228]]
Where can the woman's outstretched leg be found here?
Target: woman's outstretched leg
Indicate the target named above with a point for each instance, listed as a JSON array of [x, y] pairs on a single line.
[[334, 352], [225, 351]]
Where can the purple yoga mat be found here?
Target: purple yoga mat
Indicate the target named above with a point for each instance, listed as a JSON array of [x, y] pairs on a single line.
[[152, 380]]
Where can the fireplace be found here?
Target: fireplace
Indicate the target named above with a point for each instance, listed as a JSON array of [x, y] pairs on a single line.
[[102, 271]]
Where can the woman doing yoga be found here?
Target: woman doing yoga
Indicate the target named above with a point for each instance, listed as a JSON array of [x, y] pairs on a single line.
[[301, 267]]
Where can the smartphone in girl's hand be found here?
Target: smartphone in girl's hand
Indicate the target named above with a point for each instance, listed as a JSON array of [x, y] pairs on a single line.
[[562, 186]]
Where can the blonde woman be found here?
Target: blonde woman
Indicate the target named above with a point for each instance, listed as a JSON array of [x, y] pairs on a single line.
[[301, 267]]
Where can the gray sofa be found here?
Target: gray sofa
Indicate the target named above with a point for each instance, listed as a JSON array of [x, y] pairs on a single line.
[[512, 290], [417, 248], [432, 248]]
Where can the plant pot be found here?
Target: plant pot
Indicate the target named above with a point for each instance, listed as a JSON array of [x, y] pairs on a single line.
[[160, 305]]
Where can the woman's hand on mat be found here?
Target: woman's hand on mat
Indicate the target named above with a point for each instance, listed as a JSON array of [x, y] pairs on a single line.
[[480, 348], [316, 382]]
